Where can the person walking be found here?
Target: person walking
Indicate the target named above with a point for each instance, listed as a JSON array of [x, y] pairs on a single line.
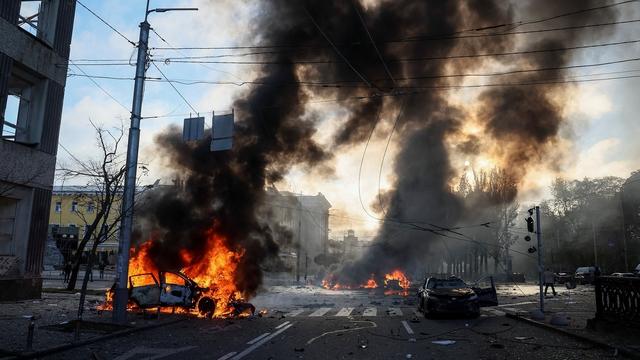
[[549, 279], [102, 265], [67, 271]]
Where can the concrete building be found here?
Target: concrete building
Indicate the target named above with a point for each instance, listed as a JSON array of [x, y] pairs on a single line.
[[34, 51], [301, 224]]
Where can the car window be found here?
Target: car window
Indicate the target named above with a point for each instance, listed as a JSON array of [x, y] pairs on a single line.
[[174, 279], [142, 280], [429, 284], [449, 284]]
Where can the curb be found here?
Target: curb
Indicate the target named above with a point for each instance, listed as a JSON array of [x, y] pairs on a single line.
[[622, 350], [69, 346]]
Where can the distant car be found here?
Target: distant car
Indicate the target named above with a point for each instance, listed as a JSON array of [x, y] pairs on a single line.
[[563, 277], [452, 296], [626, 274], [585, 275]]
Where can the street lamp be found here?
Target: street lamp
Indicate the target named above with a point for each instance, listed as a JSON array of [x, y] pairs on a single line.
[[121, 296]]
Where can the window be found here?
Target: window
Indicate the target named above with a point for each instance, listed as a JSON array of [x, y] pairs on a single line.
[[8, 209], [91, 207], [58, 206], [74, 206], [23, 116], [38, 18]]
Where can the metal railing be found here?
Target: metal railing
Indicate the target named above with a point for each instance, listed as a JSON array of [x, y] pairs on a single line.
[[618, 299]]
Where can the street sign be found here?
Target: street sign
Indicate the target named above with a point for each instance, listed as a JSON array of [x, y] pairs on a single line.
[[222, 136], [193, 129]]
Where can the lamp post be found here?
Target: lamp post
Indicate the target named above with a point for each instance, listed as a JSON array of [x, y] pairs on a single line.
[[122, 272]]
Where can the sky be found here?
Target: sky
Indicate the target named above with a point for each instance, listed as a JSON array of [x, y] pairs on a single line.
[[600, 130]]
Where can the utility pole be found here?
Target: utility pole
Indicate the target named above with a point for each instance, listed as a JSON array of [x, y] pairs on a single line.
[[595, 248], [299, 246], [540, 258], [121, 295]]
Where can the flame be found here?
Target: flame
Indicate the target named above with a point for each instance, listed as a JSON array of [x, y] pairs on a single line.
[[371, 283], [215, 271], [399, 276]]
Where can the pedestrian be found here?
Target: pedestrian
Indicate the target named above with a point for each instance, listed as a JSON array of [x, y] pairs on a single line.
[[549, 279], [67, 271], [90, 266], [102, 265]]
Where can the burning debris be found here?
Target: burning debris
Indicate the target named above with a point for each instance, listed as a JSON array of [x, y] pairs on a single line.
[[395, 280]]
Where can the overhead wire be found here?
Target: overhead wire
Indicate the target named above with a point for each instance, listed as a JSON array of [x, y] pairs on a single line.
[[100, 87], [106, 23], [175, 88]]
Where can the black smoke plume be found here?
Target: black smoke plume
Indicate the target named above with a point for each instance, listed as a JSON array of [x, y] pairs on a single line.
[[275, 132]]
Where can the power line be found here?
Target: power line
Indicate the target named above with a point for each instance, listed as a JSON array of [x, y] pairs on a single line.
[[174, 88], [106, 23], [403, 40], [384, 154], [100, 87], [337, 50]]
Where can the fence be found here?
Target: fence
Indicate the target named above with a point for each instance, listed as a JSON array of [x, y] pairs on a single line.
[[618, 299]]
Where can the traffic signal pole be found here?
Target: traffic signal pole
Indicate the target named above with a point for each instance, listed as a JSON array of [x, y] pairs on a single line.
[[540, 258]]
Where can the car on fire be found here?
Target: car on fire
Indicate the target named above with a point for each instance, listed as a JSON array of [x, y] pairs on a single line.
[[169, 289], [454, 296]]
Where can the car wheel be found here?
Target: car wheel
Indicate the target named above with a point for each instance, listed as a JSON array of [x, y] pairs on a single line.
[[207, 306]]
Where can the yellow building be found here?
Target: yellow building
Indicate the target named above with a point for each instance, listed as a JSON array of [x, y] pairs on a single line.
[[76, 207]]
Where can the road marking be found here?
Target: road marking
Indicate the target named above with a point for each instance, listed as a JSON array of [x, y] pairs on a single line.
[[152, 353], [320, 312], [248, 350], [281, 325], [511, 309], [225, 357], [370, 311], [395, 312], [294, 313], [258, 338], [520, 303], [407, 327], [345, 311], [345, 330]]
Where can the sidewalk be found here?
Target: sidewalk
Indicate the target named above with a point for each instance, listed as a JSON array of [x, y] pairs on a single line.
[[53, 280], [577, 306]]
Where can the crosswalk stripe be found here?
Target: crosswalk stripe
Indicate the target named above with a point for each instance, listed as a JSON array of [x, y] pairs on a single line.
[[345, 311], [294, 313], [320, 312], [370, 311], [395, 312]]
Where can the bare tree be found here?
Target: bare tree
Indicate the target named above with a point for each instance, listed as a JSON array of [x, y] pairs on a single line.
[[104, 179]]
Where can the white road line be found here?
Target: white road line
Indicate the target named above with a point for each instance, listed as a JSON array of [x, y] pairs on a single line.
[[345, 311], [407, 327], [395, 312], [320, 312], [225, 357], [258, 338], [520, 303], [281, 325], [511, 309], [294, 313], [495, 312], [370, 311], [248, 350]]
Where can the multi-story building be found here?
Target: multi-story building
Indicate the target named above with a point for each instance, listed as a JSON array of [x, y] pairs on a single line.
[[34, 51], [301, 223]]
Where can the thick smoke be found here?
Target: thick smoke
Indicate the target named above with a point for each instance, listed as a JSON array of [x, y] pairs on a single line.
[[274, 132]]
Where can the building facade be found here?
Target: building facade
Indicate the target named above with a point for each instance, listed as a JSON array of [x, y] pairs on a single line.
[[301, 226], [34, 49]]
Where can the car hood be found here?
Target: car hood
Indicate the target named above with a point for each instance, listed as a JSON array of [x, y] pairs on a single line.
[[462, 292]]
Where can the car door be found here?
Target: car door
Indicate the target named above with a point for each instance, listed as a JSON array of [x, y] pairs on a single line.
[[144, 290], [485, 288], [174, 290]]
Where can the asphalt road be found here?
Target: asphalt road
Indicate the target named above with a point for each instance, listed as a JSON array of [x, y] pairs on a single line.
[[312, 323]]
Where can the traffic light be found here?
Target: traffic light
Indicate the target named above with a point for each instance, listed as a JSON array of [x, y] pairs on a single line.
[[530, 224]]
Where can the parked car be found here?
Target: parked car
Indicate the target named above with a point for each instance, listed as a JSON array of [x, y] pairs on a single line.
[[453, 296], [563, 277], [169, 289], [585, 275]]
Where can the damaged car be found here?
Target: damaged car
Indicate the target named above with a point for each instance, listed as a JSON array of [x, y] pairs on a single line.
[[454, 297], [169, 289]]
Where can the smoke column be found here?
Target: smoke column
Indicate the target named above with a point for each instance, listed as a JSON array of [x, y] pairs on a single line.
[[275, 132]]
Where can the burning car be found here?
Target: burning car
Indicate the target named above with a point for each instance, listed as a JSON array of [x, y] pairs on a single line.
[[453, 296], [169, 289]]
